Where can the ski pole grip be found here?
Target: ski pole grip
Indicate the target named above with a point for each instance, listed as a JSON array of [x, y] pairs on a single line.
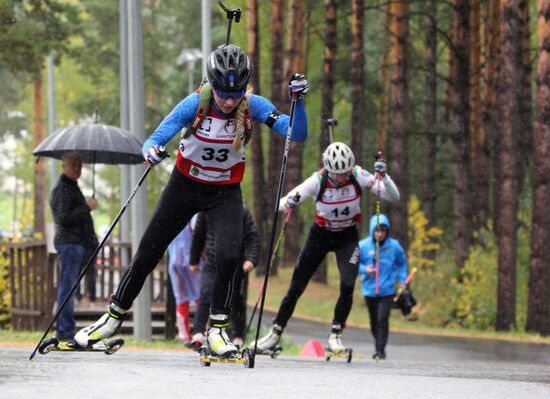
[[163, 153]]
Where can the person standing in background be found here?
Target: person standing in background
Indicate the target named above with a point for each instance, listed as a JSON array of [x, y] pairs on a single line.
[[204, 241], [74, 235], [185, 281]]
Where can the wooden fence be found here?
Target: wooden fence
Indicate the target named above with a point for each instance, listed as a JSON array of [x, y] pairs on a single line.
[[31, 285], [34, 277]]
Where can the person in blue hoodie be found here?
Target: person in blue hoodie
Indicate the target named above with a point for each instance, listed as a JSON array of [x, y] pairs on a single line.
[[382, 263]]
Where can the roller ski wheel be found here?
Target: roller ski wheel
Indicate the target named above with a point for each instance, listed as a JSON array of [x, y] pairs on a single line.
[[207, 357], [48, 345], [113, 346], [53, 344], [248, 356], [273, 353], [346, 354], [204, 354]]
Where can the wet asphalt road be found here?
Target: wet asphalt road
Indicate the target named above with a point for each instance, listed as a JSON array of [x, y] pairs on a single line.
[[417, 367]]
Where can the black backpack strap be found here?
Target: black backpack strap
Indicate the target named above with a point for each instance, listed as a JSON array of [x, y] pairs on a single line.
[[324, 179]]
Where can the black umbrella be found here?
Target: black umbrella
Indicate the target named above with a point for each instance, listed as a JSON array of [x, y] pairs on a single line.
[[95, 143]]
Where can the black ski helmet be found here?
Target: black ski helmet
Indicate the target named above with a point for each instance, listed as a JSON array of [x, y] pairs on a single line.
[[228, 68]]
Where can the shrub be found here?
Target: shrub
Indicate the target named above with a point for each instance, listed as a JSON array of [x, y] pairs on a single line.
[[5, 298]]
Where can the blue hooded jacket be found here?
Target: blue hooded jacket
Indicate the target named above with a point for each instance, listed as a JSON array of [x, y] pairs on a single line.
[[393, 262]]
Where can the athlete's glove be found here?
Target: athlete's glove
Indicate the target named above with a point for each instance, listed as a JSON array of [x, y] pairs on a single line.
[[298, 86], [292, 201], [380, 166], [154, 155]]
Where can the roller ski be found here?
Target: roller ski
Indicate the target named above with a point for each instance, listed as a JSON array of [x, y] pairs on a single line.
[[220, 349], [207, 357], [53, 344], [269, 344], [334, 347], [276, 351]]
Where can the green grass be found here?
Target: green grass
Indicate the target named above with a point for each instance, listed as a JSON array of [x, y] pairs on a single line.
[[318, 301], [317, 304]]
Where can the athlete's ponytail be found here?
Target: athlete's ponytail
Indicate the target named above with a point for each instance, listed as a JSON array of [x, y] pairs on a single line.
[[240, 123]]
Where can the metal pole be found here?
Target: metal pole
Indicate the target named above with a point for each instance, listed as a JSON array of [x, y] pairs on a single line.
[[142, 305], [206, 13], [125, 223], [191, 69]]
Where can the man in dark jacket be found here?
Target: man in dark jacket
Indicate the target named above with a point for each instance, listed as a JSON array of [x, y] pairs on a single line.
[[205, 241], [74, 236]]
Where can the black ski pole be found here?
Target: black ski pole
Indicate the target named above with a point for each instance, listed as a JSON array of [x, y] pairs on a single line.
[[91, 259], [281, 234], [275, 218]]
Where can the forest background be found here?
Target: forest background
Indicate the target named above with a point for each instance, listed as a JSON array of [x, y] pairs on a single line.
[[455, 94]]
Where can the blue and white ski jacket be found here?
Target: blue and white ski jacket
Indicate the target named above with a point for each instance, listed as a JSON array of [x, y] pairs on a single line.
[[208, 155], [392, 265]]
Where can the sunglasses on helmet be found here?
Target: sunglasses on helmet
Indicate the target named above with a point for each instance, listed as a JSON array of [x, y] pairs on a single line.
[[224, 95]]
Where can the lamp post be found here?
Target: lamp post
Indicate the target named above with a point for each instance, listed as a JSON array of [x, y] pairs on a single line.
[[189, 56]]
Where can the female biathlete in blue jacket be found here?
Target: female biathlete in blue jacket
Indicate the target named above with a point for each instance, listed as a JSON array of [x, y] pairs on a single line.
[[209, 168], [337, 191]]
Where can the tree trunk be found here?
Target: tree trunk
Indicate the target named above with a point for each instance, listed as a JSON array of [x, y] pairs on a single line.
[[358, 88], [382, 127], [525, 139], [39, 173], [293, 63], [430, 113], [506, 222], [459, 122], [261, 211], [327, 101], [538, 303], [488, 131], [276, 142], [399, 104], [475, 108]]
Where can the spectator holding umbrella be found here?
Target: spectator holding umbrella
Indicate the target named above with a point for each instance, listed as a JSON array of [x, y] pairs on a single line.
[[74, 236]]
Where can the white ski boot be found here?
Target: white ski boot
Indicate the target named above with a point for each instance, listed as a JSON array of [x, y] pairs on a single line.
[[107, 326], [268, 344], [218, 341], [334, 343]]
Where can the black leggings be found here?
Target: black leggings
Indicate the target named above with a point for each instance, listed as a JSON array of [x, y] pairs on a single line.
[[319, 242], [379, 313], [180, 200]]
